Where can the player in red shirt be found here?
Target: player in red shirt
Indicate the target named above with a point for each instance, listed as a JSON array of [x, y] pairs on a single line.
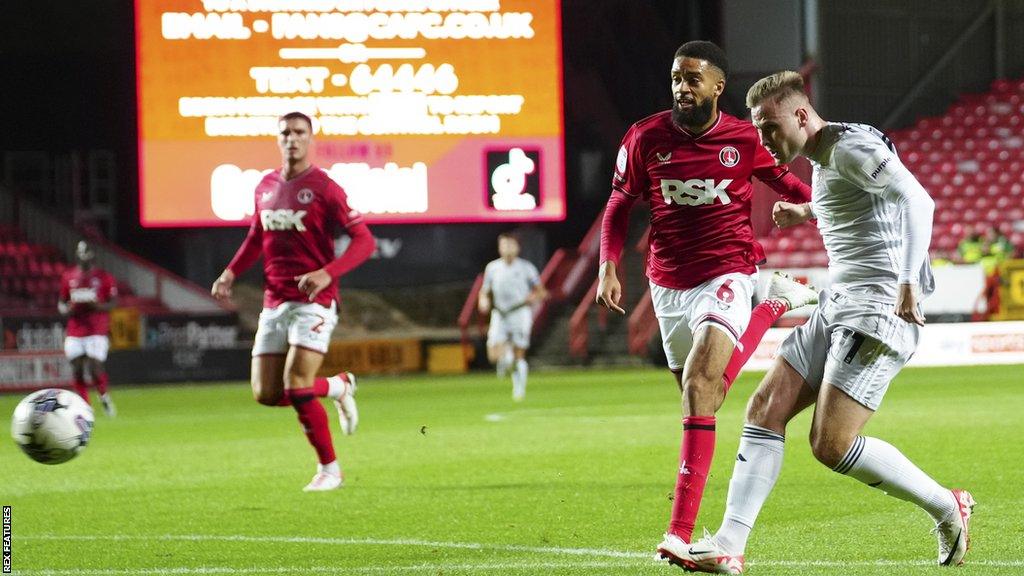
[[87, 295], [694, 164], [299, 212]]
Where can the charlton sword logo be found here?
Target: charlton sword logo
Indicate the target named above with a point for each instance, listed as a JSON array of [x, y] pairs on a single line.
[[729, 156]]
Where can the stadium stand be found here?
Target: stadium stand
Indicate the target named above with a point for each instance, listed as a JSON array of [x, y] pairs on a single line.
[[971, 160]]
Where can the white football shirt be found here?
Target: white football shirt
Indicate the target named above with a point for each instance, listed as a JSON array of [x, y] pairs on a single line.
[[509, 284], [857, 188]]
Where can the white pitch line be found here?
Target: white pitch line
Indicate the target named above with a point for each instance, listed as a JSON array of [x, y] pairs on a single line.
[[467, 546], [358, 541], [214, 570]]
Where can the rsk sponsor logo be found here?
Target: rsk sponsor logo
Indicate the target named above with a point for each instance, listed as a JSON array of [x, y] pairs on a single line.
[[694, 192], [283, 219]]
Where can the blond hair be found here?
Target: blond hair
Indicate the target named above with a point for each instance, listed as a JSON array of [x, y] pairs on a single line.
[[778, 87]]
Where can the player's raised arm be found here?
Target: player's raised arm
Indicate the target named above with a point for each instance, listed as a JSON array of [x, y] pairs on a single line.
[[787, 214]]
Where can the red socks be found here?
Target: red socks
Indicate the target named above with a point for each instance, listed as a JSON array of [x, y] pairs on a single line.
[[695, 461], [313, 418], [81, 388], [761, 319], [101, 383]]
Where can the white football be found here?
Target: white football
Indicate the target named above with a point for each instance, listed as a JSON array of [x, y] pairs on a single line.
[[52, 425]]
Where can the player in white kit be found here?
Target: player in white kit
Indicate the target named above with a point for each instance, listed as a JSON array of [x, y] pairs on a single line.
[[511, 287], [875, 220]]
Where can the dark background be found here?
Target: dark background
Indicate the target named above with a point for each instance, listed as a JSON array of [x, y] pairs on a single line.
[[69, 85]]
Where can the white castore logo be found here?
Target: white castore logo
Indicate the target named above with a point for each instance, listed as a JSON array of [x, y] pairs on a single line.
[[694, 192], [282, 219]]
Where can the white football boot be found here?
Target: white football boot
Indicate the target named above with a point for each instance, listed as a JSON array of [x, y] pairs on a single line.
[[323, 482], [707, 555], [953, 536], [108, 405], [348, 412], [672, 548], [782, 286]]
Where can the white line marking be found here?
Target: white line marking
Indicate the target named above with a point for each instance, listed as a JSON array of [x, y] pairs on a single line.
[[432, 568], [494, 417], [623, 555], [357, 541]]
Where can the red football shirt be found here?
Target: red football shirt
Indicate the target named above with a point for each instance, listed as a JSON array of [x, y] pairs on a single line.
[[699, 191], [81, 289], [295, 223]]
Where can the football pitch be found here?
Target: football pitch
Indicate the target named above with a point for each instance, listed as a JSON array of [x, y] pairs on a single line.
[[446, 476]]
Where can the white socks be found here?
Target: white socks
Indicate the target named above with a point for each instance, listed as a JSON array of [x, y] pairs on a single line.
[[505, 362], [335, 387], [758, 463], [333, 469], [880, 465], [519, 374]]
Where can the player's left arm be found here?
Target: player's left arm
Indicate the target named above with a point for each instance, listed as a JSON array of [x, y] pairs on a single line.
[[878, 170], [359, 250], [538, 293], [109, 300], [917, 211]]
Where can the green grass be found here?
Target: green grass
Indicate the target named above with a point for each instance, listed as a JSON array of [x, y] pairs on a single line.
[[447, 477]]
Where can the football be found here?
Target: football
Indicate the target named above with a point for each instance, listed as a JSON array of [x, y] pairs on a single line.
[[52, 425]]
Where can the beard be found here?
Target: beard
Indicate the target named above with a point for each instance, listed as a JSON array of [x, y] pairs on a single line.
[[696, 116]]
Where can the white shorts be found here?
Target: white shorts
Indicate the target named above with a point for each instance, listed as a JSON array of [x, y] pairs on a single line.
[[853, 343], [95, 347], [723, 302], [513, 327], [303, 324]]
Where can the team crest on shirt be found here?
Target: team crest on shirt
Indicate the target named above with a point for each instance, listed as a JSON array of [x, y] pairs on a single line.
[[305, 196], [663, 158], [729, 156]]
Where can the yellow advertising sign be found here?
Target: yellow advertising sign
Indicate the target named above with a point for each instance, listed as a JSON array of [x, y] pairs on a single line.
[[125, 329], [373, 357]]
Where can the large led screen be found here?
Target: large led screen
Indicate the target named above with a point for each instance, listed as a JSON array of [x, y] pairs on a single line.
[[423, 110]]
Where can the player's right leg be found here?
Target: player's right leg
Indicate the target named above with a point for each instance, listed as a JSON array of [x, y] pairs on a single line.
[[267, 379], [74, 351], [788, 388], [716, 313], [781, 395], [499, 345], [783, 294], [269, 349], [700, 384]]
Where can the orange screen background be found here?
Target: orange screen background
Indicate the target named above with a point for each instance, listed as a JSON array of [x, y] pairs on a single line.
[[177, 157]]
